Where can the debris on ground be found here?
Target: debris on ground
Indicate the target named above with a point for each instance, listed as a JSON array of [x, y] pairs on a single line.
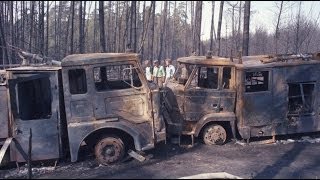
[[218, 175]]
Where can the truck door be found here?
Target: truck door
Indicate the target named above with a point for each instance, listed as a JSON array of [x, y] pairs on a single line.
[[202, 95], [211, 90], [34, 104], [119, 93], [258, 105]]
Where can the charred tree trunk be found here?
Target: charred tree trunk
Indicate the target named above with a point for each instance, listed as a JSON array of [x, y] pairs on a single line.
[[277, 28], [246, 22], [3, 44], [163, 28], [31, 25], [23, 24], [101, 24], [198, 26], [47, 35], [219, 27], [297, 39], [212, 27], [72, 27], [41, 25], [11, 31], [95, 27], [239, 28], [152, 30], [81, 29]]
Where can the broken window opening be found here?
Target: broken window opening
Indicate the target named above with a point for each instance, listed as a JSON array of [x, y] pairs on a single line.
[[183, 72], [226, 77], [206, 77], [34, 99], [300, 98], [257, 81], [115, 77], [77, 81]]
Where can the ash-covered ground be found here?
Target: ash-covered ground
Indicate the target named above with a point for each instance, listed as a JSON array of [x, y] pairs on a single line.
[[292, 157]]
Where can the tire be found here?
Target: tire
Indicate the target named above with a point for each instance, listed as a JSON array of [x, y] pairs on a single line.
[[109, 150], [214, 134]]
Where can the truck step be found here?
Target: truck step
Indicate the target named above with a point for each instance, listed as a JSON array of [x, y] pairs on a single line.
[[137, 156]]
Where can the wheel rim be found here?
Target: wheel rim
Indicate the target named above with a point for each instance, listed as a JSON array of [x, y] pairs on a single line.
[[109, 150], [215, 134]]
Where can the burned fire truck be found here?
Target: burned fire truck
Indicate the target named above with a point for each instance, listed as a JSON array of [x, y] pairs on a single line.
[[101, 100], [216, 98]]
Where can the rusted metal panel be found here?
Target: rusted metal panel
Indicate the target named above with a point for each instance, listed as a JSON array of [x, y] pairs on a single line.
[[35, 105], [4, 118], [272, 94], [97, 58], [108, 102]]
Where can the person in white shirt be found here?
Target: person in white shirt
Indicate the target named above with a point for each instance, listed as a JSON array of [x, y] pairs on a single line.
[[170, 70], [148, 70]]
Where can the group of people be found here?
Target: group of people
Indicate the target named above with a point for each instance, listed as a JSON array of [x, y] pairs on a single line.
[[158, 73]]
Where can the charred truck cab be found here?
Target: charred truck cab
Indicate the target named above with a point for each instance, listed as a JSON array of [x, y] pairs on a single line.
[[109, 105], [101, 100], [214, 97]]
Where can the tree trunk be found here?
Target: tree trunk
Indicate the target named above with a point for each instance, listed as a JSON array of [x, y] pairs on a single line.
[[31, 25], [116, 26], [186, 32], [163, 28], [95, 27], [173, 37], [246, 22], [135, 27], [11, 31], [152, 30], [47, 35], [277, 28], [219, 27], [198, 26], [23, 24], [109, 33], [297, 39], [239, 28], [212, 27], [3, 44], [143, 29], [72, 27], [192, 26], [101, 24], [42, 49], [59, 30], [55, 28], [126, 39], [81, 28]]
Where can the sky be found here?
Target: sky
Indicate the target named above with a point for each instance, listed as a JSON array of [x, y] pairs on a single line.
[[264, 14]]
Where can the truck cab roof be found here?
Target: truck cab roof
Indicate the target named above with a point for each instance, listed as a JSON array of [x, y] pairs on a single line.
[[257, 61], [97, 58]]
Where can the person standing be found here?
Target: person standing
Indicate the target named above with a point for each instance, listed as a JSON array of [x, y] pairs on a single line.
[[158, 73], [148, 70], [170, 70]]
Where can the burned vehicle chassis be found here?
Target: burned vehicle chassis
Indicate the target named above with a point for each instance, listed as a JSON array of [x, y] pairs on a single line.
[[214, 97]]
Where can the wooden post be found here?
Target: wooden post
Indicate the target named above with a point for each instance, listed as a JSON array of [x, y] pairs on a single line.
[[29, 156]]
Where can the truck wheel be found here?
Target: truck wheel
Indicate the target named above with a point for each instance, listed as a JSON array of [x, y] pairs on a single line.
[[214, 134], [109, 150]]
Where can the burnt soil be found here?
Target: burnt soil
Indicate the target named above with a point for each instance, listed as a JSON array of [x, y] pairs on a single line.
[[289, 158]]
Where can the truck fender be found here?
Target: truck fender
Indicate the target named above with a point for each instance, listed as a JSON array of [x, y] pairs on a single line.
[[139, 141], [229, 117]]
